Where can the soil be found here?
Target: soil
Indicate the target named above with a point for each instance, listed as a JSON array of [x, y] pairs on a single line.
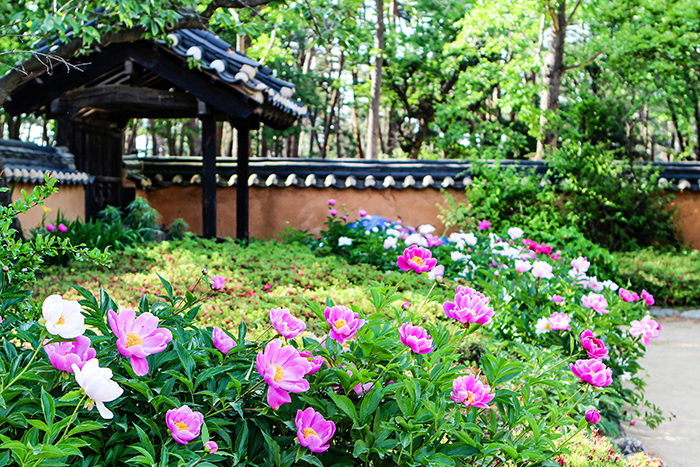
[[673, 365]]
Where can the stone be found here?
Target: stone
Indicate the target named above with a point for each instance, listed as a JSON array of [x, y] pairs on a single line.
[[691, 314], [663, 311], [629, 445]]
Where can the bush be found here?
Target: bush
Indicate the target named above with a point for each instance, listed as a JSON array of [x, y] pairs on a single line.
[[597, 451]]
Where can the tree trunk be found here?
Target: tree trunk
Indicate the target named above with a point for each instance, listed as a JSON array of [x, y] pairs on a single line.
[[376, 93], [674, 120], [553, 71], [194, 144], [13, 126], [131, 141], [417, 142], [696, 109], [329, 115], [171, 139], [392, 131], [356, 126]]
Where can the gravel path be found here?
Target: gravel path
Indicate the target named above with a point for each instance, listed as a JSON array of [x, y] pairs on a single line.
[[673, 365]]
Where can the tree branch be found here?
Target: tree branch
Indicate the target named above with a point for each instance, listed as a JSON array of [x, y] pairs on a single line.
[[586, 63], [568, 20], [553, 14]]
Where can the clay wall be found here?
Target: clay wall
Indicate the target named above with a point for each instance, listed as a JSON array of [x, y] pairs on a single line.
[[70, 200]]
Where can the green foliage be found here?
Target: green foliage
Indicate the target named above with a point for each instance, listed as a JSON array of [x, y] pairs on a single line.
[[672, 277], [597, 451]]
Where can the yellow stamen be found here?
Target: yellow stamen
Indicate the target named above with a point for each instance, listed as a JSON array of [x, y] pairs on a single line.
[[308, 432], [548, 327], [133, 338], [279, 373], [470, 397], [181, 426], [61, 320], [418, 260], [340, 323]]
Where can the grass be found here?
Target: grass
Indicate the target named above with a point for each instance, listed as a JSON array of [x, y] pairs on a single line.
[[262, 276]]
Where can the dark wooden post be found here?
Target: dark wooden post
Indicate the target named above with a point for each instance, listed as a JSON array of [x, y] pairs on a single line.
[[242, 230], [208, 176]]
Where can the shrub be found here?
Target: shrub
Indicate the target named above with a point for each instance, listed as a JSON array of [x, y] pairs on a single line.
[[597, 451]]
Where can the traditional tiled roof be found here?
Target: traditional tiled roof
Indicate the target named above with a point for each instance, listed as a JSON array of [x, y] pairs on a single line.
[[28, 162], [153, 173]]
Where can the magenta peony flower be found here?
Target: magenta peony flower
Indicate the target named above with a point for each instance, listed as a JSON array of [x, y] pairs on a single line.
[[139, 337], [286, 324], [559, 322], [360, 388], [628, 296], [331, 202], [592, 416], [542, 270], [50, 227], [469, 391], [210, 447], [313, 431], [596, 302], [593, 372], [557, 298], [417, 258], [646, 327], [62, 228], [343, 321], [218, 282], [184, 424], [483, 225], [594, 347], [469, 306], [222, 341], [283, 370], [416, 338], [63, 355], [316, 361], [333, 212], [362, 213], [647, 297]]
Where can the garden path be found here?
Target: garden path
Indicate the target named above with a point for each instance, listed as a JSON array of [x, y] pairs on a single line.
[[673, 364]]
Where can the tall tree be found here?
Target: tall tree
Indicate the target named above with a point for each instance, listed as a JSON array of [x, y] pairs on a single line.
[[376, 94]]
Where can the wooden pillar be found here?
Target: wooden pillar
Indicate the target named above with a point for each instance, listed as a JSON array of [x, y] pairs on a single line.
[[208, 176], [242, 229]]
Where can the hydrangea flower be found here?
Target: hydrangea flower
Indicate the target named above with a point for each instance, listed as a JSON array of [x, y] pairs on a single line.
[[98, 386], [416, 338], [646, 327], [286, 324], [313, 431], [542, 270], [63, 317], [469, 391], [343, 321], [469, 306], [595, 348], [593, 372], [222, 341], [283, 370], [139, 337], [63, 355], [417, 259], [184, 424], [560, 321], [595, 302]]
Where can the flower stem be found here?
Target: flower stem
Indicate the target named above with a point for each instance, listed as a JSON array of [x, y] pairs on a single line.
[[427, 298], [14, 380], [72, 417]]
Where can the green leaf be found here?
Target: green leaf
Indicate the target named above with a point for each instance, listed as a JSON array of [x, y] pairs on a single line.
[[312, 460], [345, 404], [186, 359], [146, 442], [48, 407], [369, 404]]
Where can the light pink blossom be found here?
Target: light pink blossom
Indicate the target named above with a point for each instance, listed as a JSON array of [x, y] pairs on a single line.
[[593, 372], [210, 447], [313, 431], [581, 264], [362, 213], [283, 370], [316, 361], [557, 299], [646, 327], [416, 338], [628, 296], [542, 270], [595, 302], [218, 282], [139, 337], [286, 324], [522, 266], [437, 273], [222, 341], [469, 306], [331, 202], [469, 391], [184, 424], [559, 321], [333, 212], [343, 321]]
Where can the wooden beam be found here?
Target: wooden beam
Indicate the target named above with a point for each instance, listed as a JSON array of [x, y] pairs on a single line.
[[208, 176], [242, 229], [137, 102]]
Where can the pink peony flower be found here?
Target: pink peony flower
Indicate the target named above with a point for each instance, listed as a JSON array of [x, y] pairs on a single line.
[[184, 424], [559, 322], [647, 297], [557, 299], [594, 347], [592, 416], [593, 372], [483, 225], [542, 270], [63, 355], [210, 447], [316, 361], [522, 266], [469, 306], [331, 202], [139, 337], [544, 249], [50, 227], [313, 431], [433, 240], [417, 258], [437, 273], [580, 264], [556, 256], [416, 338], [646, 327], [469, 391], [218, 282], [593, 283], [283, 370], [222, 341], [596, 302], [343, 321], [286, 324], [333, 212], [363, 213], [62, 228], [628, 296]]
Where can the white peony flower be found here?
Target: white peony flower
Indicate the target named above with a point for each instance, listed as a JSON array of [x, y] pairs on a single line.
[[436, 273], [542, 270], [63, 317], [515, 233], [426, 229], [456, 256], [344, 241], [610, 285], [98, 386], [390, 242], [543, 325], [469, 238], [581, 264], [416, 239], [393, 232]]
